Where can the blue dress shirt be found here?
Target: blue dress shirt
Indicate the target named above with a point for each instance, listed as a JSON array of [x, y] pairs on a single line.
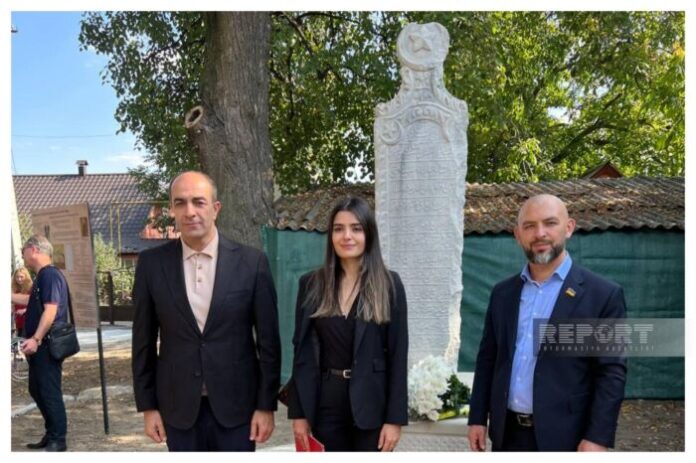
[[537, 301]]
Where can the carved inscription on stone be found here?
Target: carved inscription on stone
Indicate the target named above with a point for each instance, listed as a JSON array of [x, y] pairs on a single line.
[[420, 160]]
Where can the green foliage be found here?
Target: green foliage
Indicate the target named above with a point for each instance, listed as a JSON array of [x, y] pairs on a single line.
[[457, 395], [550, 95], [154, 66], [107, 259], [328, 71]]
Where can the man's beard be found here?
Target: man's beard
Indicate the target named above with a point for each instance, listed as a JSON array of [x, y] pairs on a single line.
[[544, 258]]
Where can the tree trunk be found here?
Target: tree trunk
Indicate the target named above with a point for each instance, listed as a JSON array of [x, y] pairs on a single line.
[[230, 128]]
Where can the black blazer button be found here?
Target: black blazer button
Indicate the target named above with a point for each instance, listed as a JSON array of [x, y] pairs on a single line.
[[197, 374]]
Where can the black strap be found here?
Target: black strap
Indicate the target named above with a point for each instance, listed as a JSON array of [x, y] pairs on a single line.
[[71, 319]]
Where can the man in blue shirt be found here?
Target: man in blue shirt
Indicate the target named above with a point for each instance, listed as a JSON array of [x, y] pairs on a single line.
[[544, 402], [47, 302]]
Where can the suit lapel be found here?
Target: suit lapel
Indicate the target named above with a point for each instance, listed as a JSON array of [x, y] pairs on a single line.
[[568, 298], [307, 311], [512, 314], [173, 270], [570, 294], [360, 328], [305, 330], [227, 264]]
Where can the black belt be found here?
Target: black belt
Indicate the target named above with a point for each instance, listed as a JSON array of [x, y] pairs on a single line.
[[342, 373], [525, 420]]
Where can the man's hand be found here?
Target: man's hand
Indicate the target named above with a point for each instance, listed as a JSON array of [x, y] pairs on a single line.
[[261, 426], [587, 446], [29, 346], [389, 437], [301, 431], [154, 427], [477, 438]]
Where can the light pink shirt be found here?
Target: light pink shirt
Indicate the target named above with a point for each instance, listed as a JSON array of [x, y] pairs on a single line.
[[199, 273]]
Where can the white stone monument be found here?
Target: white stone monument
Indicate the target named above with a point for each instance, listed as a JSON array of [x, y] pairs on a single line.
[[420, 164]]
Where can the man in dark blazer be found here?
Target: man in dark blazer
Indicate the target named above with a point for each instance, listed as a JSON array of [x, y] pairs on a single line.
[[533, 400], [213, 382]]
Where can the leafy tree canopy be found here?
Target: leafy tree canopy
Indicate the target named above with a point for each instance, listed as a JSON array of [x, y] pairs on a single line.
[[550, 95]]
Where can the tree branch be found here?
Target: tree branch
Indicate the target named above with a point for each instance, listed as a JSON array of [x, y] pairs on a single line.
[[295, 25], [565, 151], [309, 47]]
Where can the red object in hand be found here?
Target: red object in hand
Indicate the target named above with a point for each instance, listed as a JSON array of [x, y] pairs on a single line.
[[314, 445]]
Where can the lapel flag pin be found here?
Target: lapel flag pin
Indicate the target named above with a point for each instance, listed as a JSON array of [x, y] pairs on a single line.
[[570, 292]]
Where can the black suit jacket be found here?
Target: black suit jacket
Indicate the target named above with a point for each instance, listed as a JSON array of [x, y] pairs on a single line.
[[378, 384], [574, 398], [237, 354]]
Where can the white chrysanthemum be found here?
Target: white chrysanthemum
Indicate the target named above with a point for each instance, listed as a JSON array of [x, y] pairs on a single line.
[[427, 380]]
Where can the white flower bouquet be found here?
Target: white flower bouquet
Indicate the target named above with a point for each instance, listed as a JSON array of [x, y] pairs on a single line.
[[427, 381]]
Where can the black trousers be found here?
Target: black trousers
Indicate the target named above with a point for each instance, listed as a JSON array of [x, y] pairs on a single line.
[[209, 435], [517, 438], [45, 378], [334, 425]]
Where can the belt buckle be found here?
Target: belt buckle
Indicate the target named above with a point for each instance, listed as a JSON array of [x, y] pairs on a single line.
[[524, 420], [346, 374]]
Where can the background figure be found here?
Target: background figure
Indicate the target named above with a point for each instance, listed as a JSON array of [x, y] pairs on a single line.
[[349, 385], [48, 302], [21, 284], [212, 384], [536, 400]]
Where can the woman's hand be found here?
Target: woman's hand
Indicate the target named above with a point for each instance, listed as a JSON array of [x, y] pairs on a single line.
[[301, 431], [389, 437]]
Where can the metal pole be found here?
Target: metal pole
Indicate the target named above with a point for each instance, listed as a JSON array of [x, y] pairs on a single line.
[[102, 376], [100, 344], [118, 225], [110, 294]]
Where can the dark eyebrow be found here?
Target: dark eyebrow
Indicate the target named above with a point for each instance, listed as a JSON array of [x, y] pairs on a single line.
[[547, 219], [195, 198]]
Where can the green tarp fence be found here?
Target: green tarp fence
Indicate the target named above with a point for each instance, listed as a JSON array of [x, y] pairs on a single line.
[[648, 264]]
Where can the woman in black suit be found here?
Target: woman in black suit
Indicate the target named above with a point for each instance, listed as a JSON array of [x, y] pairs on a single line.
[[348, 386]]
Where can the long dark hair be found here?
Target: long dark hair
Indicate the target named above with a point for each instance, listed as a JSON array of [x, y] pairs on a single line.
[[374, 281]]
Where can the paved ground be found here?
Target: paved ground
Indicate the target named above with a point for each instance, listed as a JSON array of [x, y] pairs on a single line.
[[113, 337], [81, 387], [644, 425]]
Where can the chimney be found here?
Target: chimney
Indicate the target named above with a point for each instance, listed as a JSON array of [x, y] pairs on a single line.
[[82, 168]]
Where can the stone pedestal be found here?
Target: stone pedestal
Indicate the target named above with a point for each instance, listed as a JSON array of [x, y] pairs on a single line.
[[439, 436], [420, 160]]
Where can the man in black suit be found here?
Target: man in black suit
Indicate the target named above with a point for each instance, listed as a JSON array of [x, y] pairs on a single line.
[[533, 400], [212, 385]]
